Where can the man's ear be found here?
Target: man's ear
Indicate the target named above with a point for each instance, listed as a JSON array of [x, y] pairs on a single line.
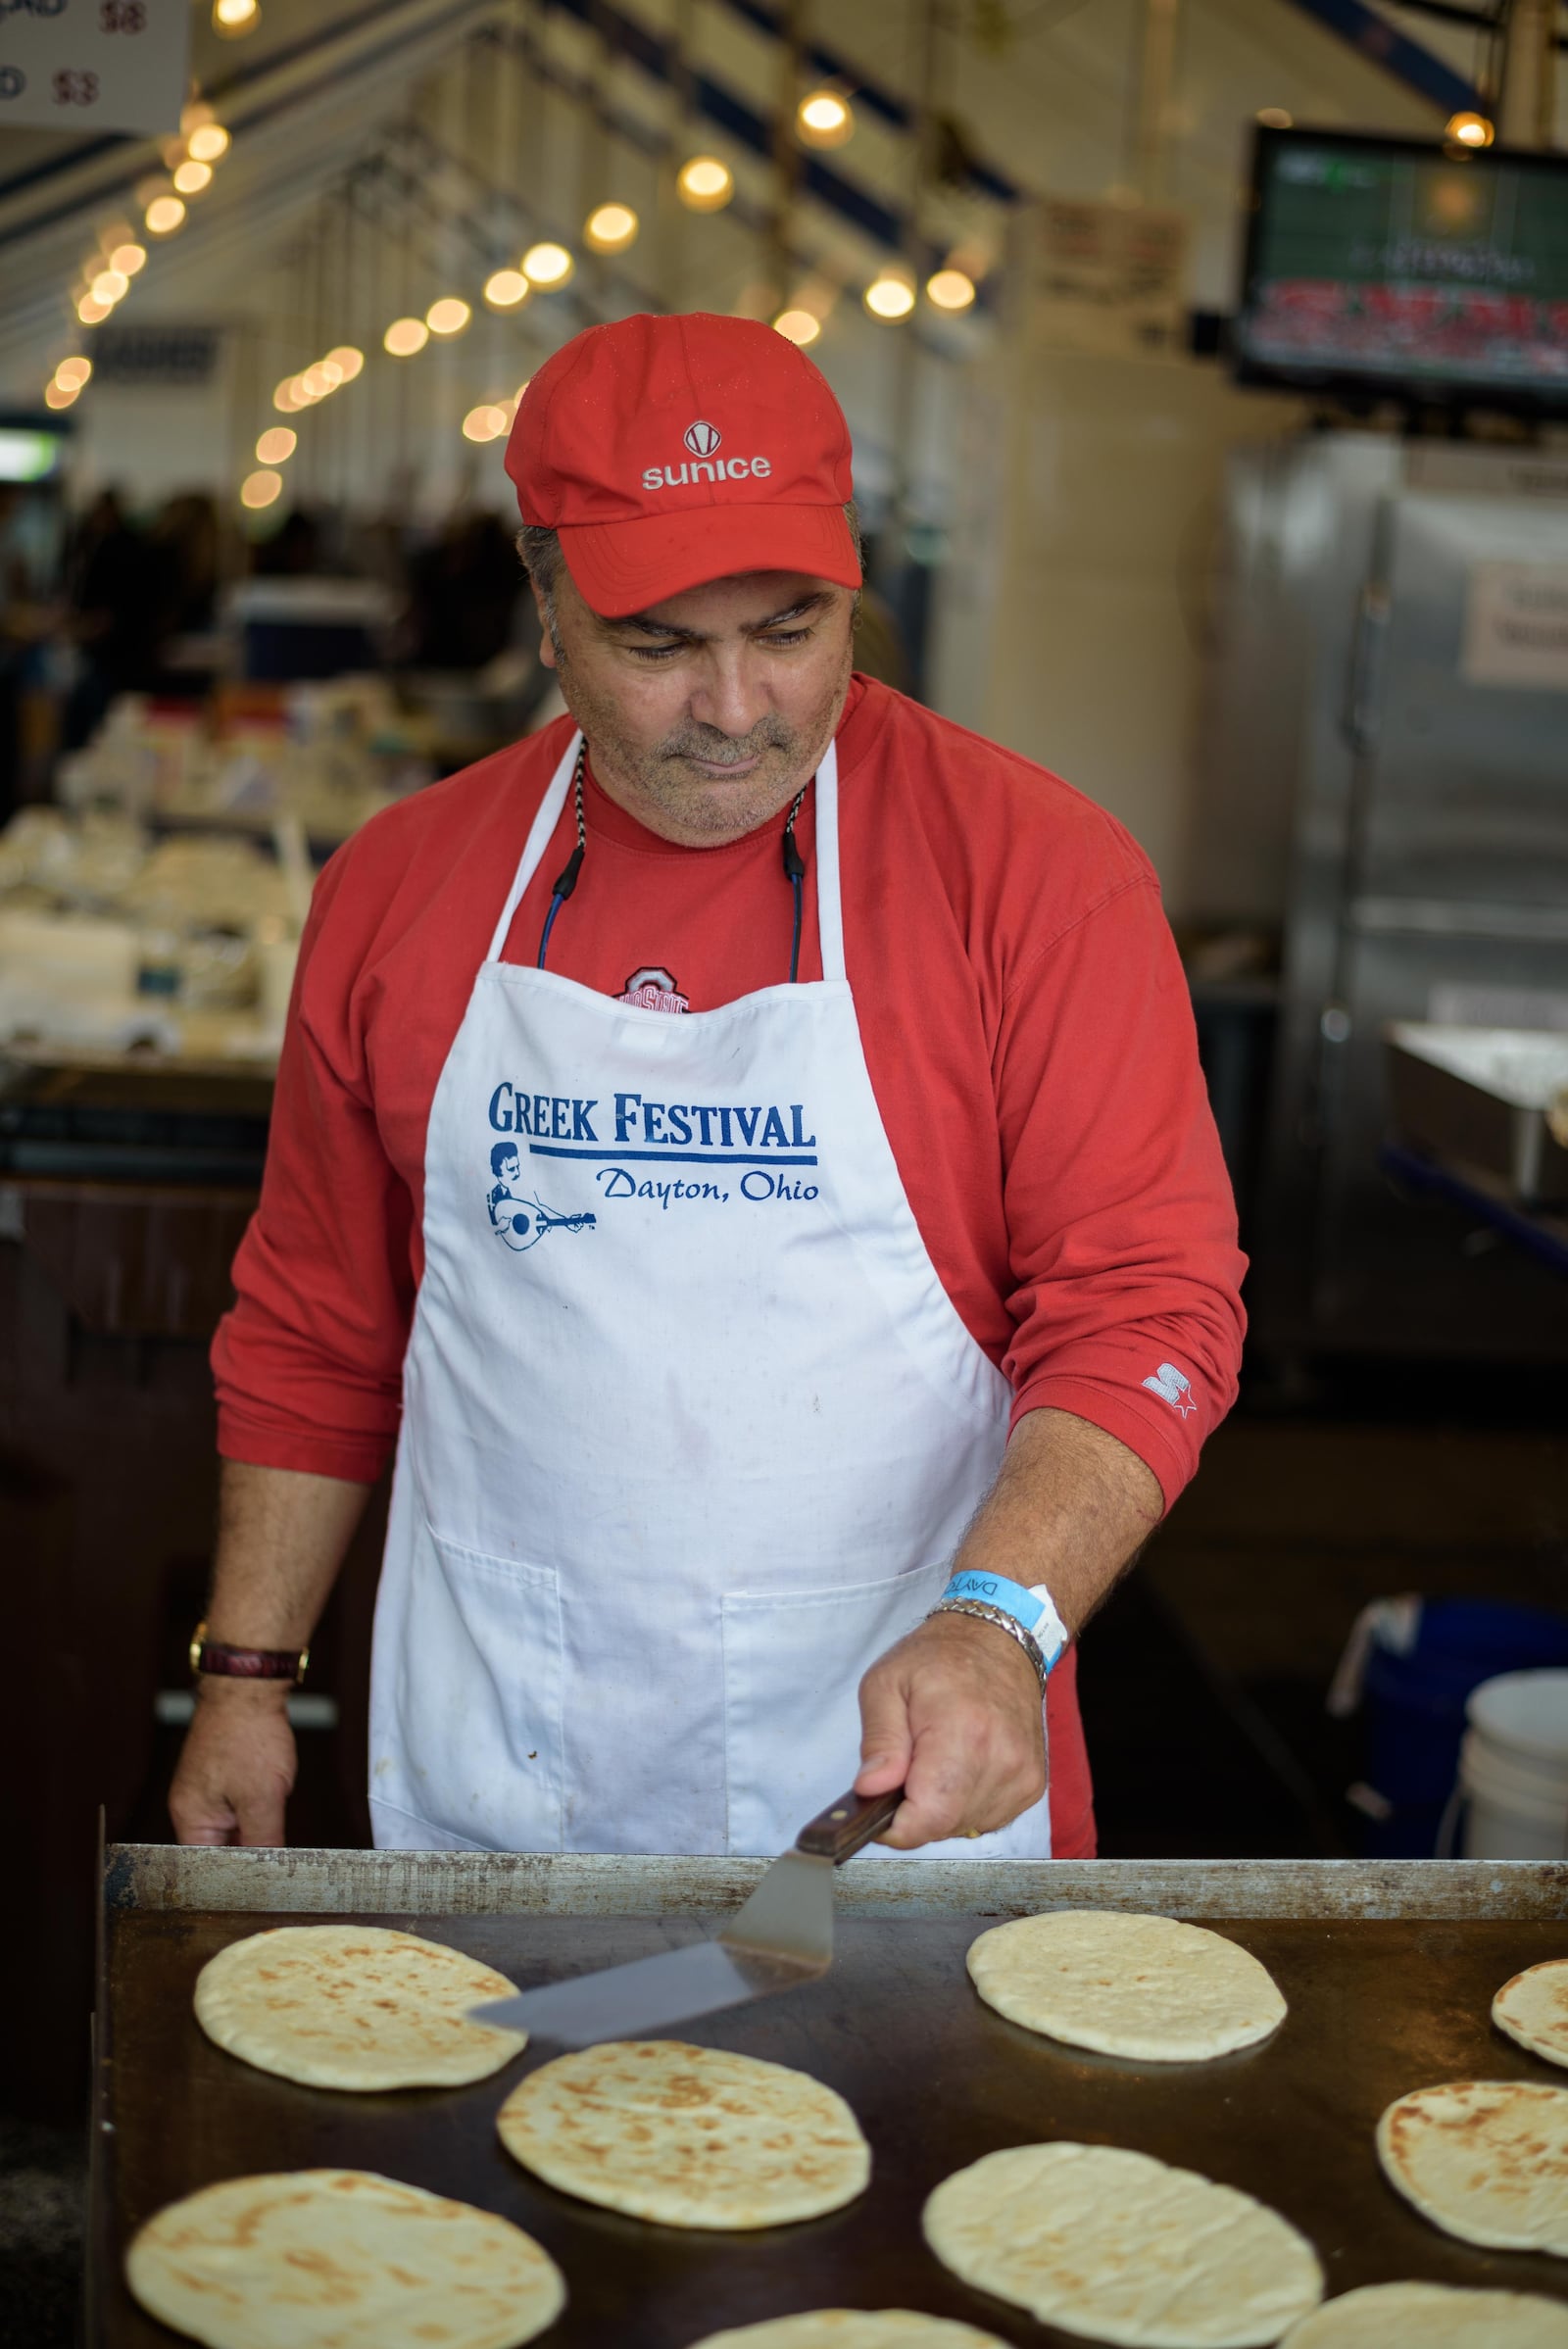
[[547, 641]]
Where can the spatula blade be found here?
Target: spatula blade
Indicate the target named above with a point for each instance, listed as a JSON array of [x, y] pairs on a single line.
[[628, 2002]]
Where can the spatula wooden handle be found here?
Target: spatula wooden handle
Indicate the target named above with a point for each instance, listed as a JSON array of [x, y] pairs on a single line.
[[838, 1833]]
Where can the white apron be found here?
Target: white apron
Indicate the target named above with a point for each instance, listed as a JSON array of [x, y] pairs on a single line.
[[691, 1428]]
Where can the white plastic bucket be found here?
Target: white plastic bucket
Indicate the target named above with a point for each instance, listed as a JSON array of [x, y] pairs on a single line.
[[1513, 1768]]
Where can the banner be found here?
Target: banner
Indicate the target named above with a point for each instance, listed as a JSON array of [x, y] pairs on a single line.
[[93, 64]]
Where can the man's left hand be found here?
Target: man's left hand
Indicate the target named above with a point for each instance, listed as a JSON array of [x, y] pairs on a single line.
[[954, 1714]]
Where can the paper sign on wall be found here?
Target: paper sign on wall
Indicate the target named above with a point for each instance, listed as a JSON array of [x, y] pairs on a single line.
[[93, 64], [1516, 625], [1106, 280]]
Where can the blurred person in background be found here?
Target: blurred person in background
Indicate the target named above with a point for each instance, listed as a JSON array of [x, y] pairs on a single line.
[[114, 614]]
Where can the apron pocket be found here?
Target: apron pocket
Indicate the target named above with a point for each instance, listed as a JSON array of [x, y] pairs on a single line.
[[793, 1664], [476, 1744]]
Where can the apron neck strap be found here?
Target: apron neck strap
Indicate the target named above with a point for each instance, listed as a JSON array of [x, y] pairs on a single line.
[[829, 904]]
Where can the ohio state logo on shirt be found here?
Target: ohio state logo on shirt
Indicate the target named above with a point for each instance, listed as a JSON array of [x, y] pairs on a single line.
[[653, 989]]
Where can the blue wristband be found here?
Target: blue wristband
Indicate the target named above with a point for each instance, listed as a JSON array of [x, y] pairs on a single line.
[[1033, 1608]]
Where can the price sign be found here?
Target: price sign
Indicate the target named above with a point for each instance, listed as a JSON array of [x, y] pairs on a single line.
[[94, 64]]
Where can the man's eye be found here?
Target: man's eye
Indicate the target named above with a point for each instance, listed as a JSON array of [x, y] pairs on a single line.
[[784, 637], [653, 652]]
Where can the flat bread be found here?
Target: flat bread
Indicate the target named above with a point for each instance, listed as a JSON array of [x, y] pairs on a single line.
[[1118, 2246], [1533, 2008], [1484, 2159], [1148, 1987], [1433, 2316], [354, 2006], [341, 2258], [853, 2329], [689, 2136]]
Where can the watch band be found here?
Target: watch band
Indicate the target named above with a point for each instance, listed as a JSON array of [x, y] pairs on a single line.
[[246, 1663], [1028, 1605]]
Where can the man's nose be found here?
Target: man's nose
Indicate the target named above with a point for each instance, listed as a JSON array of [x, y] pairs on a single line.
[[731, 692]]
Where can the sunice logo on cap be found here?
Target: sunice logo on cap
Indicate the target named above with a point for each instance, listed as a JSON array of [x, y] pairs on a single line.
[[703, 439]]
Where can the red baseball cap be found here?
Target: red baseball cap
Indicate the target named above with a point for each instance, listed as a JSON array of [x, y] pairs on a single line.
[[670, 451]]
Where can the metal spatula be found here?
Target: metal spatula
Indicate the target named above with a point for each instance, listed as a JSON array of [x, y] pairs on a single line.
[[782, 1937]]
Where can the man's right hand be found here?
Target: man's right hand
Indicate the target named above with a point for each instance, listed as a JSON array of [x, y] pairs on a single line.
[[237, 1767]]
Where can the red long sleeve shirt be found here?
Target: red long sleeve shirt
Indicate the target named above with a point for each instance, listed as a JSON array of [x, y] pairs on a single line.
[[1025, 1022]]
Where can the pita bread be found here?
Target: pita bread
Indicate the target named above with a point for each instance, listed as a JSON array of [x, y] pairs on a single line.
[[1533, 2008], [689, 2136], [340, 2259], [855, 2328], [1433, 2316], [1116, 2246], [1484, 2159], [1143, 1987], [354, 2006]]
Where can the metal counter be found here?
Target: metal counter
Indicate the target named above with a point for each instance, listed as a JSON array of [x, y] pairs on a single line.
[[1389, 1968]]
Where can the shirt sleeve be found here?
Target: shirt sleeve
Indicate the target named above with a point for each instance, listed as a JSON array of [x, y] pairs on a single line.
[[309, 1362], [1121, 1223]]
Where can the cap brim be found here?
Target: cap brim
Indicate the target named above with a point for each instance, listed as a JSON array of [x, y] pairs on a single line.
[[621, 568]]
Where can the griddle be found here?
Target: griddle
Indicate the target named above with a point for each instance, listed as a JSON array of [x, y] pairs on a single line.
[[1389, 1967]]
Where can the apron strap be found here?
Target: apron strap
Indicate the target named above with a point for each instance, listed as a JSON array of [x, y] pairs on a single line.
[[829, 902], [539, 837]]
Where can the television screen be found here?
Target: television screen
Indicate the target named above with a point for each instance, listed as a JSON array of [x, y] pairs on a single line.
[[1389, 266], [27, 452]]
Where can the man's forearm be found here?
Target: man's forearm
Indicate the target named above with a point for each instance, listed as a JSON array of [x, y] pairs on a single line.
[[282, 1537], [1072, 1507]]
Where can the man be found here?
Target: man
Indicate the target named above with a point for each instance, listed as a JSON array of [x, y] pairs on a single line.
[[894, 1141]]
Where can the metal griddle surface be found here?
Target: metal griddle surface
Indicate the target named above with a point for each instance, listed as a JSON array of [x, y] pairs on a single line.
[[936, 2078]]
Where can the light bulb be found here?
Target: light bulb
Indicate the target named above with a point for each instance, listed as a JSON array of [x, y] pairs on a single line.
[[405, 336], [259, 489], [449, 316], [109, 286], [797, 326], [194, 115], [164, 216], [610, 227], [277, 446], [73, 373], [91, 312], [1470, 130], [890, 296], [705, 184], [208, 141], [1275, 117], [193, 179], [286, 397], [232, 17], [547, 266], [128, 259], [503, 289], [316, 383], [331, 373], [824, 120], [951, 289], [516, 397], [60, 394], [347, 360], [485, 422]]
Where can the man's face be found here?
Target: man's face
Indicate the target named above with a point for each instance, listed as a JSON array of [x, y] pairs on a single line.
[[510, 1168], [708, 712]]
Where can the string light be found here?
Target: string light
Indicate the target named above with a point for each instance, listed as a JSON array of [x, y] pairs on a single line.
[[109, 286], [797, 326], [1275, 117], [193, 179], [60, 394], [286, 398], [235, 17], [73, 373], [317, 381], [91, 312], [405, 336], [824, 120], [1470, 130], [348, 361], [485, 422], [890, 296], [259, 489], [951, 288], [503, 289], [277, 446], [705, 184], [449, 316], [547, 267], [207, 142], [164, 216], [128, 259], [610, 228]]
